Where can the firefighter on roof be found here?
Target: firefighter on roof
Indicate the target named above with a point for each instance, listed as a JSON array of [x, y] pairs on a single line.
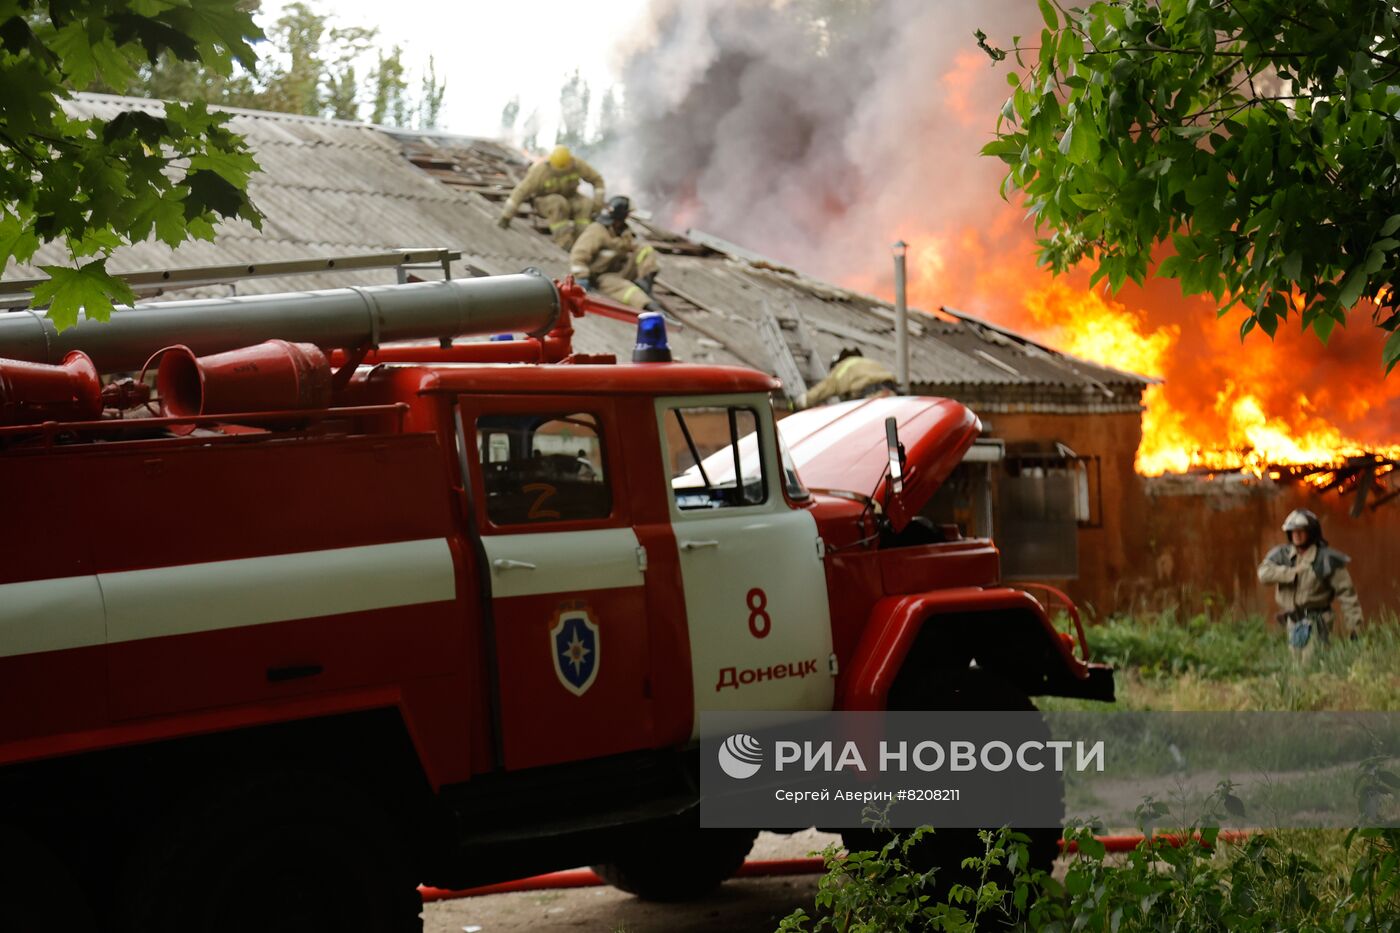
[[1309, 575], [852, 376], [551, 187], [607, 259]]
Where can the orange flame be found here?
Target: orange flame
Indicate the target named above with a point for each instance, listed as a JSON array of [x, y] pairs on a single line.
[[958, 84], [1104, 331], [1222, 404]]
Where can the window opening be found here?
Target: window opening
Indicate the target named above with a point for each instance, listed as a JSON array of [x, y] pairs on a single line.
[[725, 464], [543, 468]]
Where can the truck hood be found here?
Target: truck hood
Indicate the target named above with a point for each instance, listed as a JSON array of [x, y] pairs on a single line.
[[842, 447]]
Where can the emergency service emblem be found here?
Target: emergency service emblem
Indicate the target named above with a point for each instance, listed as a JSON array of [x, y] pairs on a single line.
[[575, 644]]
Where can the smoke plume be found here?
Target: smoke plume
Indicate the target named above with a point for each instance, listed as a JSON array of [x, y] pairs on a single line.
[[817, 132], [808, 130]]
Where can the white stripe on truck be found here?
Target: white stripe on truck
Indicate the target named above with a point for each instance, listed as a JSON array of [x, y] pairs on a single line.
[[50, 615], [75, 612], [562, 562]]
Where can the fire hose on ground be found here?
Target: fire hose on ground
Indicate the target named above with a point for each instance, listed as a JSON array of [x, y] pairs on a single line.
[[760, 868]]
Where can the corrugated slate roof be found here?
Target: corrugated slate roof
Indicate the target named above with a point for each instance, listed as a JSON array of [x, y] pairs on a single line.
[[954, 355], [332, 187]]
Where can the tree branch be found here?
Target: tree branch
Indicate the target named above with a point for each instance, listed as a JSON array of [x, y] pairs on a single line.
[[12, 144]]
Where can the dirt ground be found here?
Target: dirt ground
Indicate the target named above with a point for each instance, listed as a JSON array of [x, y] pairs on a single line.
[[744, 905]]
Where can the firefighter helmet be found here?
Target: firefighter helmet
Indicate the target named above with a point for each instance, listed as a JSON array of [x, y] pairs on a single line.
[[616, 212], [1303, 520], [561, 158], [845, 354]]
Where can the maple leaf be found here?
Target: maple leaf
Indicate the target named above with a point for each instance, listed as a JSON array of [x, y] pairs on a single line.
[[17, 239], [88, 288]]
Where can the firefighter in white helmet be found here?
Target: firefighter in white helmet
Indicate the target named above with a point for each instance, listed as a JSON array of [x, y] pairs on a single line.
[[1309, 575], [607, 259], [551, 187]]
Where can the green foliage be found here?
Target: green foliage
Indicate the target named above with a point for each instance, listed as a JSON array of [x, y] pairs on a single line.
[[575, 113], [879, 892], [431, 92], [529, 140], [609, 119], [1296, 881], [391, 104], [1170, 660], [509, 114], [98, 184], [1252, 145], [1168, 644], [310, 65], [342, 93], [87, 288], [1305, 880], [575, 98], [1268, 881], [1262, 884]]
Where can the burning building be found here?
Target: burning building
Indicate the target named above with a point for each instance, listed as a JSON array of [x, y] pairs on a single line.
[[1062, 435], [819, 132], [1068, 472]]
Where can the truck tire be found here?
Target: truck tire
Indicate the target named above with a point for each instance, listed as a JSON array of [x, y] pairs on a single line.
[[972, 689], [678, 864], [276, 854]]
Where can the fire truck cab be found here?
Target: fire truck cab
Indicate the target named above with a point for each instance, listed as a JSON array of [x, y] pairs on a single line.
[[346, 617]]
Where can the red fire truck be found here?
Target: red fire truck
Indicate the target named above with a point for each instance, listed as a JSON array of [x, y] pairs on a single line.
[[333, 615]]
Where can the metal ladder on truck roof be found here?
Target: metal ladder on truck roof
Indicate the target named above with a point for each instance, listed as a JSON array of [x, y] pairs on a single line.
[[17, 293], [789, 344]]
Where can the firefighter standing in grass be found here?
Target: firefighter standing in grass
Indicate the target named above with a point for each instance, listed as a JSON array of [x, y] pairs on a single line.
[[852, 376], [551, 187], [1309, 575], [607, 259]]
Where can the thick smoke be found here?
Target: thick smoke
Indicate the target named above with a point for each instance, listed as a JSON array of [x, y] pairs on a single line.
[[816, 132]]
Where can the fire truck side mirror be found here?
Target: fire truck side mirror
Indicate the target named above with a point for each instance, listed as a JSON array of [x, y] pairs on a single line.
[[896, 457]]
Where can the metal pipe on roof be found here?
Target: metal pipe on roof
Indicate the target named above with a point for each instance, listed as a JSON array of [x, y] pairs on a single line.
[[901, 320], [333, 318]]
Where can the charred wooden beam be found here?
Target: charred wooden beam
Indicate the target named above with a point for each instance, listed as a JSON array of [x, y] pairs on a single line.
[[1342, 477], [1299, 472], [1382, 500], [1363, 489]]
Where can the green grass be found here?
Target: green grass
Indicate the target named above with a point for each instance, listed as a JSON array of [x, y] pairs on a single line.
[[1328, 881], [1169, 662], [1198, 663]]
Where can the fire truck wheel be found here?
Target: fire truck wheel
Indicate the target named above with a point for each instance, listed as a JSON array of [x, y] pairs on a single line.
[[275, 854], [37, 891], [946, 848], [678, 864]]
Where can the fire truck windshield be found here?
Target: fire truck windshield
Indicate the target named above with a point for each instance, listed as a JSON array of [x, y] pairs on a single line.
[[709, 483], [720, 445]]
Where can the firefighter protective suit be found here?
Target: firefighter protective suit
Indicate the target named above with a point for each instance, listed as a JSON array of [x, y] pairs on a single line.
[[614, 264], [551, 188], [1307, 580], [852, 377]]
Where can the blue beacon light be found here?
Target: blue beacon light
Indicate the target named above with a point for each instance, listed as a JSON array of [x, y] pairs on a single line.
[[651, 339]]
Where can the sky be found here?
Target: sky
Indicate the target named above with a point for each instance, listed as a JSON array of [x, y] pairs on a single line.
[[488, 52]]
